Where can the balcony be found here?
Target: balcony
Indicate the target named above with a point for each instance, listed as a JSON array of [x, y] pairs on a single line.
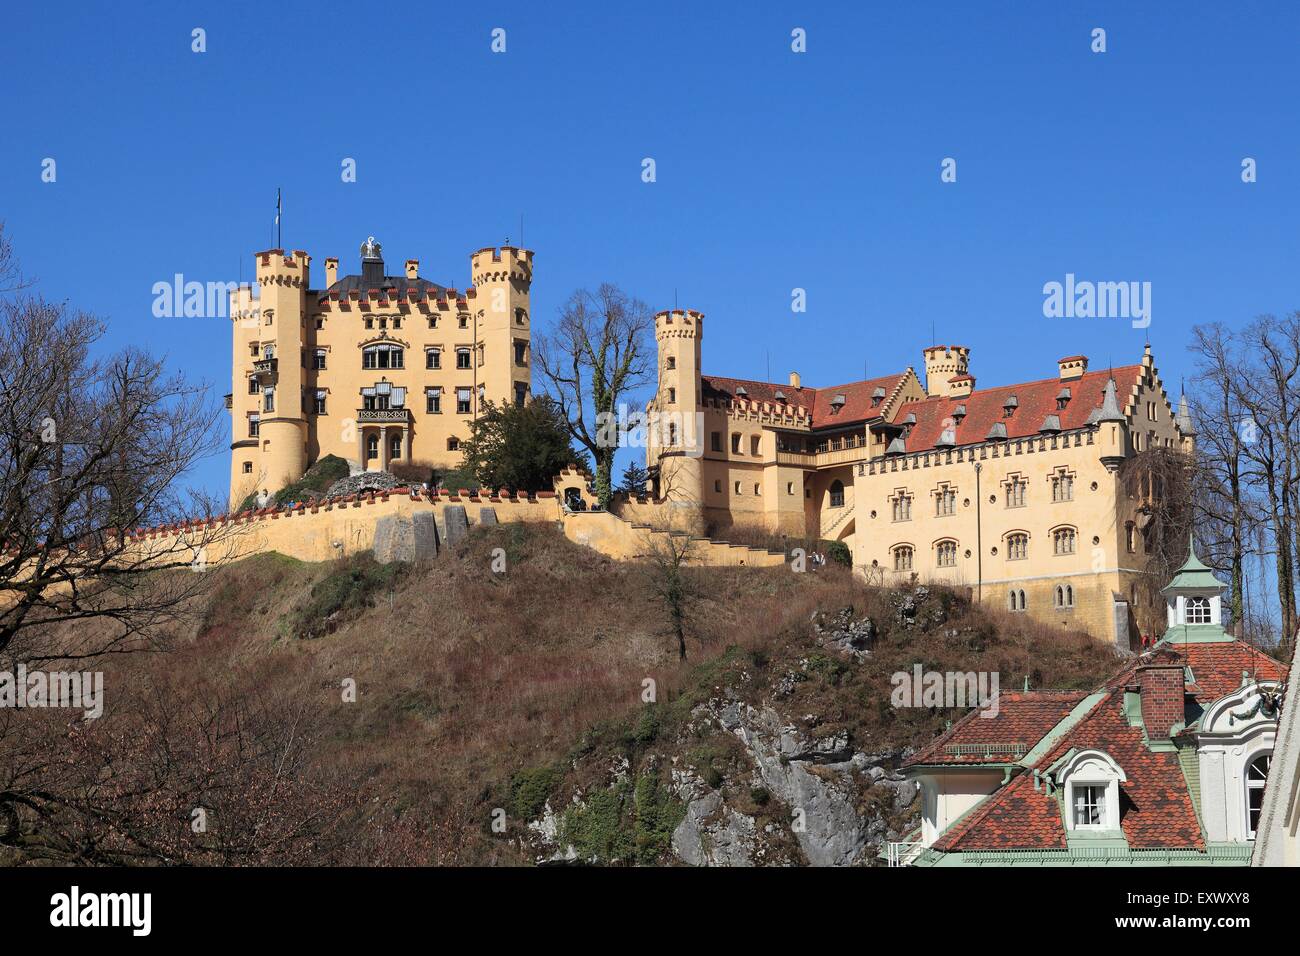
[[383, 416], [267, 366]]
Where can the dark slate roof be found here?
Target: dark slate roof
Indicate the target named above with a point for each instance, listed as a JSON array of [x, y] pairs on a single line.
[[398, 283]]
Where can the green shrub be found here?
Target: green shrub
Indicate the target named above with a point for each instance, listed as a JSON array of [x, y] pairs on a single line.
[[839, 552], [349, 587], [530, 789]]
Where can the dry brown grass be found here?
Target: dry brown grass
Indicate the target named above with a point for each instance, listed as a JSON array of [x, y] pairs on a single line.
[[466, 677]]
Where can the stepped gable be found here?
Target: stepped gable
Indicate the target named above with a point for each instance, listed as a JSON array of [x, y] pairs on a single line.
[[1034, 402], [815, 402]]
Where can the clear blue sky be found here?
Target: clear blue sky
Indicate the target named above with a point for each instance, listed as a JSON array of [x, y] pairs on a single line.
[[775, 170]]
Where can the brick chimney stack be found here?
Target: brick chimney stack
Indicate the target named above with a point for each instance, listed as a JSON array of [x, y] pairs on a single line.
[[1161, 686]]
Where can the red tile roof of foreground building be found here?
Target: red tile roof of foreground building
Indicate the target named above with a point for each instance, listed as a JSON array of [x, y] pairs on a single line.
[[1158, 810]]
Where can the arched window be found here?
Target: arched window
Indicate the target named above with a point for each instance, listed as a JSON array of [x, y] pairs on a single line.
[[1064, 596], [382, 356], [395, 446], [1063, 541], [837, 494], [1198, 610], [903, 558], [1256, 777], [372, 446], [1017, 547], [946, 554]]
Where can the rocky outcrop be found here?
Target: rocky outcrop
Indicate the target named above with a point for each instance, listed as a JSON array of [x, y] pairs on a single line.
[[820, 781], [363, 482]]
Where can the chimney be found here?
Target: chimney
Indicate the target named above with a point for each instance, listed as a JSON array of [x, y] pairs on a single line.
[[372, 265], [960, 386], [1072, 367], [794, 380], [412, 268], [331, 271], [1161, 687]]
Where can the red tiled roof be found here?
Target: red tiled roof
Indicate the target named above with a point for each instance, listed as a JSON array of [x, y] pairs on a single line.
[[1157, 808], [1217, 667], [857, 397], [1023, 718], [1036, 400]]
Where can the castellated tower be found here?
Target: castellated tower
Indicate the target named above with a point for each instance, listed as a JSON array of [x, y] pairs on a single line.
[[502, 318], [274, 325], [942, 362], [676, 441]]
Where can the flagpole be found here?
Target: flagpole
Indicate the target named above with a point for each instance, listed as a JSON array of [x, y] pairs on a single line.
[[278, 243]]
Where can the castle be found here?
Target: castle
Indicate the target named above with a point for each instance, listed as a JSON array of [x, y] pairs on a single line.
[[391, 369], [1012, 491]]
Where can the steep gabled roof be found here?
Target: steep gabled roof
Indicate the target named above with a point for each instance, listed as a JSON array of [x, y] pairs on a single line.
[[857, 406], [1034, 402], [1022, 720], [1157, 809]]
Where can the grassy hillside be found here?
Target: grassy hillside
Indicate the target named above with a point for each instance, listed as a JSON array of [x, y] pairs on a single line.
[[476, 691]]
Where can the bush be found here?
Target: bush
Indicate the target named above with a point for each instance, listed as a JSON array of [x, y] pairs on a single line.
[[349, 587], [530, 789], [839, 552], [315, 481]]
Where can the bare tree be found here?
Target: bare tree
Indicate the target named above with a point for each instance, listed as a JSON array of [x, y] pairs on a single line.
[[601, 351], [668, 581], [1160, 481], [1254, 379], [1221, 490], [92, 450]]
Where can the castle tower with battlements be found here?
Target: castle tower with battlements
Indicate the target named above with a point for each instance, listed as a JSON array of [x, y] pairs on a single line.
[[383, 371], [1029, 494]]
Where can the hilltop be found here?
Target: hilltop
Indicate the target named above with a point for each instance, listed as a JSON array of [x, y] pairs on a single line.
[[501, 718]]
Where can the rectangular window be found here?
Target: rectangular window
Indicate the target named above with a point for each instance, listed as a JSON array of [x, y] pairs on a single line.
[[1063, 488], [521, 394], [320, 402], [1089, 805], [945, 502], [1016, 493], [735, 444], [268, 398], [521, 352], [715, 441], [462, 401], [433, 358], [433, 401], [253, 387], [253, 423], [320, 360], [903, 508], [462, 358]]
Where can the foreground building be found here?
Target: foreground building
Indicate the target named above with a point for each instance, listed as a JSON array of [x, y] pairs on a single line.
[[1164, 764], [1278, 839], [1013, 491], [380, 370]]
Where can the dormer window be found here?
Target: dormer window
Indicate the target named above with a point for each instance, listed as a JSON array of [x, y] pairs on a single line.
[[877, 396], [1198, 610], [1062, 399], [1009, 406], [1091, 780]]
